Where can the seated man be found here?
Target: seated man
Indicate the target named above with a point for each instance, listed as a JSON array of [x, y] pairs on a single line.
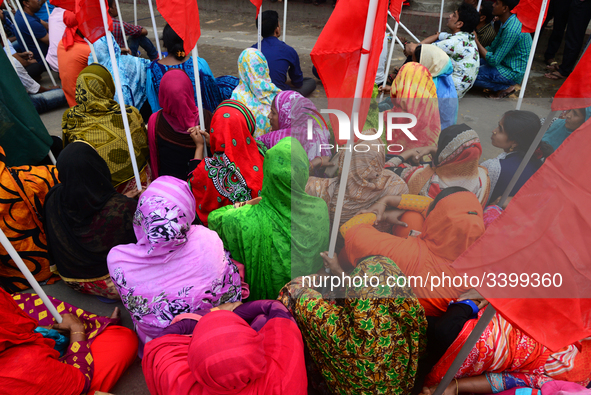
[[39, 27], [282, 58], [485, 31], [459, 45], [138, 36], [504, 62]]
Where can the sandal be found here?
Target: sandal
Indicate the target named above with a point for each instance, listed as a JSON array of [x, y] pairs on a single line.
[[500, 94], [551, 67], [555, 75]]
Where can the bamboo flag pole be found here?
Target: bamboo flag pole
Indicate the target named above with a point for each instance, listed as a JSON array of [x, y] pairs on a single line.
[[155, 29], [121, 24], [18, 30], [363, 61], [36, 43], [260, 26], [284, 18], [121, 100], [198, 92], [27, 273]]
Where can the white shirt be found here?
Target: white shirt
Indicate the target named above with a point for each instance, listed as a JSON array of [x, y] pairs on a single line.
[[56, 32], [30, 85]]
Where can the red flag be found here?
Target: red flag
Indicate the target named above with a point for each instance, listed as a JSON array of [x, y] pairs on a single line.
[[528, 12], [183, 17], [90, 19], [338, 50], [257, 4], [575, 92], [69, 5], [396, 9], [538, 251]]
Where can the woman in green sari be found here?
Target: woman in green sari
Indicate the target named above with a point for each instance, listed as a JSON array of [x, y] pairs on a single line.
[[280, 236]]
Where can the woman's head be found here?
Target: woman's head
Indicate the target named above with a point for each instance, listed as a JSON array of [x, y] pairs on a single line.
[[433, 58], [516, 131], [253, 70], [232, 127], [177, 100], [455, 140], [173, 43], [274, 115], [94, 83], [575, 118]]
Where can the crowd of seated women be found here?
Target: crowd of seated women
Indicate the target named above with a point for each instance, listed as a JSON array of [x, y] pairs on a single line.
[[210, 254]]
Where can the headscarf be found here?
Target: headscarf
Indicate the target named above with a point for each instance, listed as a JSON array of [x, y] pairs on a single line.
[[235, 172], [132, 71], [84, 216], [558, 132], [70, 34], [368, 181], [226, 356], [255, 89], [441, 69], [455, 165], [450, 228], [97, 120], [294, 112], [281, 237], [178, 109], [175, 267], [413, 91]]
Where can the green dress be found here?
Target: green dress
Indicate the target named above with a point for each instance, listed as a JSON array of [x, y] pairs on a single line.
[[281, 237]]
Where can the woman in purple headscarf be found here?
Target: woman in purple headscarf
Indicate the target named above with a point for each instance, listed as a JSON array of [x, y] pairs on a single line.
[[289, 116], [175, 267]]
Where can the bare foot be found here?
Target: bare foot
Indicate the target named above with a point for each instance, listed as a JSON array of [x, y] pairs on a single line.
[[116, 314]]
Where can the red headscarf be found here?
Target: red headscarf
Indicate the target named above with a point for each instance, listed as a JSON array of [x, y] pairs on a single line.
[[70, 36], [226, 356], [235, 172]]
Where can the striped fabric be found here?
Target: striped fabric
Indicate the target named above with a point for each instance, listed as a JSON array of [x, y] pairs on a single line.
[[250, 119]]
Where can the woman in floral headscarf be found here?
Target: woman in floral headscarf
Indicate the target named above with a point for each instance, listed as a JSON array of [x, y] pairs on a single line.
[[175, 267], [255, 89]]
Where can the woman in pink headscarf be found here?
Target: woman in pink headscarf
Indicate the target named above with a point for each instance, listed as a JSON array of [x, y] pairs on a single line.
[[289, 117], [171, 146], [175, 267]]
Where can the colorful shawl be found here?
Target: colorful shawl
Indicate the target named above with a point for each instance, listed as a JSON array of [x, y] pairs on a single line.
[[511, 358], [414, 92], [454, 165], [255, 89], [179, 110], [294, 112], [22, 195], [225, 355], [558, 132], [97, 120], [175, 267], [281, 237], [368, 181], [132, 71], [235, 172], [372, 343], [441, 69]]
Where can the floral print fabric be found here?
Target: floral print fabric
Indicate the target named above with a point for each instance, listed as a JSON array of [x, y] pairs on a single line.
[[463, 52]]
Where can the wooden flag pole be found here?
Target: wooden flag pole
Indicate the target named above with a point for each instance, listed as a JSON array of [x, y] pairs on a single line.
[[284, 18], [36, 43], [260, 26], [18, 30], [198, 92], [363, 62], [155, 29], [120, 95], [121, 24], [27, 273]]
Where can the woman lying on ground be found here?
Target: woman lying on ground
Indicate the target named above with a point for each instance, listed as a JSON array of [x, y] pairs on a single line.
[[254, 348], [84, 218], [83, 354], [97, 120], [174, 267], [280, 236]]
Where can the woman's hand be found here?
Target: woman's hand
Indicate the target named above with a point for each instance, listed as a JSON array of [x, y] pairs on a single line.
[[332, 263], [474, 296], [227, 306], [134, 193], [393, 217], [385, 89], [317, 162], [252, 202], [69, 322], [498, 200], [197, 135], [378, 208]]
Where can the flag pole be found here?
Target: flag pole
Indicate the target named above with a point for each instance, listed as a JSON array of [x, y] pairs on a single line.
[[18, 30], [479, 4], [406, 29], [47, 8], [260, 24], [6, 49], [198, 92], [155, 29], [528, 155], [441, 15], [36, 43], [532, 53], [391, 52], [135, 12], [94, 59], [27, 273], [284, 18], [121, 24], [363, 62], [119, 91]]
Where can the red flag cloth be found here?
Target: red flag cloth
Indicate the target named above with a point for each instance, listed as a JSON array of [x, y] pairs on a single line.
[[183, 17], [528, 12], [575, 92], [90, 19], [337, 54], [69, 5], [257, 4], [538, 251], [396, 8]]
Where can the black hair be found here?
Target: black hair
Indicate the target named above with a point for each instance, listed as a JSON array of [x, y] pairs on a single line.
[[510, 3], [418, 50], [523, 127], [443, 194], [486, 9], [110, 3], [270, 23], [173, 43], [468, 14]]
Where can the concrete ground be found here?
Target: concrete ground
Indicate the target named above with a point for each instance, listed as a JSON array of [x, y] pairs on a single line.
[[224, 35]]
